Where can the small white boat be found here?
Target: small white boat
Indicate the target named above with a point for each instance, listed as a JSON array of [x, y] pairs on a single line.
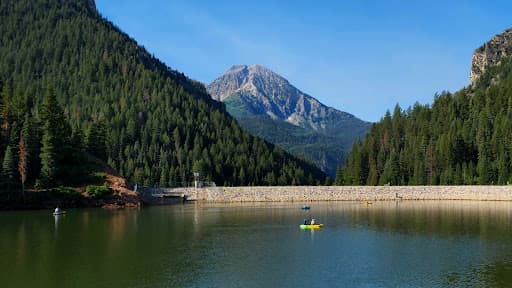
[[57, 211]]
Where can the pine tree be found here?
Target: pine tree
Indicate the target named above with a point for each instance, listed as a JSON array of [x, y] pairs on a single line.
[[339, 176], [5, 115], [9, 169], [96, 140], [48, 156], [31, 136], [23, 156]]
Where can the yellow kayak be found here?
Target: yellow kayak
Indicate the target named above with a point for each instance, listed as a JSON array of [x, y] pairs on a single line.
[[311, 226]]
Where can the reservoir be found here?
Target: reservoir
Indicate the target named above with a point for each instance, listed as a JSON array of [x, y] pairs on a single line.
[[377, 244]]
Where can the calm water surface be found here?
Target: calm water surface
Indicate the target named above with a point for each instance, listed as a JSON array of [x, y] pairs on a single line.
[[387, 244]]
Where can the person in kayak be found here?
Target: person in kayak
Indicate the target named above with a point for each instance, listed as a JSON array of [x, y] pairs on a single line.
[[305, 221], [312, 222]]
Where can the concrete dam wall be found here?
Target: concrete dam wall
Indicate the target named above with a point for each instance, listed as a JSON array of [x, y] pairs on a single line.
[[345, 193]]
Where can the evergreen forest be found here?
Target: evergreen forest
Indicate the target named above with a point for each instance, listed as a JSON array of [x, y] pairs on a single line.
[[75, 87], [461, 139]]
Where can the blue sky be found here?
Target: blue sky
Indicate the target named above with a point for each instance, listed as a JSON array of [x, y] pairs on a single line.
[[362, 57]]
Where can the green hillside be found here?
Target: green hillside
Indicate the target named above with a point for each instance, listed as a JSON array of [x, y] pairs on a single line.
[[462, 138], [323, 151], [323, 138], [150, 123]]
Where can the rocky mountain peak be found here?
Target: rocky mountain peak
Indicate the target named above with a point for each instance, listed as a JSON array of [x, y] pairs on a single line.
[[260, 70], [237, 69], [268, 106], [490, 54], [266, 92], [255, 78]]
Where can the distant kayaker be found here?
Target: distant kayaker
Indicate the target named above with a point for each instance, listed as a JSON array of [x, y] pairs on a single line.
[[312, 221], [57, 210], [305, 221]]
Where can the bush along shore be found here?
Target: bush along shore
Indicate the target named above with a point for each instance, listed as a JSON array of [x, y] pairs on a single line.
[[112, 194], [49, 199]]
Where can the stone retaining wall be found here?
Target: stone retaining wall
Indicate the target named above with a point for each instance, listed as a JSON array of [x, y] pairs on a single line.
[[348, 193]]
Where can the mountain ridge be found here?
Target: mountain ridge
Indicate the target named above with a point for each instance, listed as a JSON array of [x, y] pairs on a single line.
[[277, 97], [252, 93], [160, 126]]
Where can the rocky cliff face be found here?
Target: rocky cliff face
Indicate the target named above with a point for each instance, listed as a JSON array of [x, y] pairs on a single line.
[[490, 54], [265, 92]]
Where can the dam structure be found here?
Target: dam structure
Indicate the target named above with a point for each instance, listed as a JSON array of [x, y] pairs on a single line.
[[341, 193]]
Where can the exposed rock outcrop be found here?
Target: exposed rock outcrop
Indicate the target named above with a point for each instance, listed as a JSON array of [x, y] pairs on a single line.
[[490, 54], [266, 92], [268, 106]]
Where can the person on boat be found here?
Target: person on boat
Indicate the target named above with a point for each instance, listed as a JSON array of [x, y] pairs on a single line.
[[312, 222], [57, 210], [305, 221]]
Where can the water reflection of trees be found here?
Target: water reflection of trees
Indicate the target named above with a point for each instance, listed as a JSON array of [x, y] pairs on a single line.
[[94, 246], [174, 246], [488, 219], [497, 274]]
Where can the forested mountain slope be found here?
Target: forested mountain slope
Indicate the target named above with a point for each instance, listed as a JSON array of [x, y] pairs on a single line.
[[152, 124], [462, 138], [268, 106]]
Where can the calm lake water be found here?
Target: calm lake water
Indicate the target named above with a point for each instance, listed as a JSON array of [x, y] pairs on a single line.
[[387, 244]]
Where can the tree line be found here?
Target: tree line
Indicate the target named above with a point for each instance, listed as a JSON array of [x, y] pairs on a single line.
[[461, 139], [40, 148], [150, 123]]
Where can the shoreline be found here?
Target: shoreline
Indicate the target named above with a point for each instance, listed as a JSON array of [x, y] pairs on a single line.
[[110, 202], [282, 194]]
